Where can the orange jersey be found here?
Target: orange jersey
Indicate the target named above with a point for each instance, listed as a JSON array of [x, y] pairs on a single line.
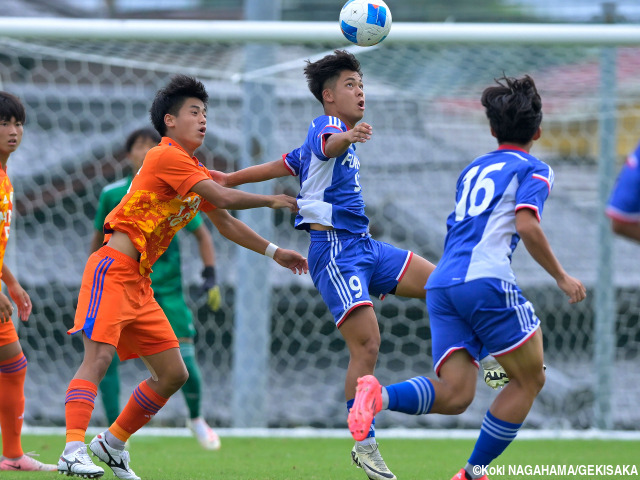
[[6, 208], [159, 201]]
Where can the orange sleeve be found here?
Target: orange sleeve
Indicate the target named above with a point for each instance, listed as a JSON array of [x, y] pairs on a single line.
[[179, 171]]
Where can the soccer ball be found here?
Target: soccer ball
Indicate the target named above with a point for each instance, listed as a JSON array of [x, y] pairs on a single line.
[[365, 23]]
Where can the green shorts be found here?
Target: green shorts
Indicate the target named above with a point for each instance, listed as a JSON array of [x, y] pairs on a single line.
[[180, 317]]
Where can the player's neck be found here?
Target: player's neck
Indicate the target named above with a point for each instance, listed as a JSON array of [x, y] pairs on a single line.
[[329, 112], [3, 161], [185, 147], [515, 146]]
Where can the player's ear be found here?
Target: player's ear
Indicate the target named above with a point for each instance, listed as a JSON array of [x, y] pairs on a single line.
[[493, 133], [327, 95], [169, 120]]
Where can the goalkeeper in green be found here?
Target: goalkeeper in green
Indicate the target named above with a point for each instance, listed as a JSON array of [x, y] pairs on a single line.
[[167, 286]]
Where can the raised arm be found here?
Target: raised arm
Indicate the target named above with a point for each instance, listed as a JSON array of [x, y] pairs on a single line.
[[253, 174], [205, 245], [538, 246], [338, 143], [227, 198], [238, 232]]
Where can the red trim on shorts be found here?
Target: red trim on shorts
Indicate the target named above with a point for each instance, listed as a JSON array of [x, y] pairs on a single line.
[[405, 267], [447, 354], [518, 344], [353, 307]]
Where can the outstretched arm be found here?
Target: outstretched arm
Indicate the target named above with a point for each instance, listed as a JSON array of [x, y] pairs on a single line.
[[626, 229], [205, 245], [253, 174], [227, 198], [243, 235], [538, 246], [17, 294]]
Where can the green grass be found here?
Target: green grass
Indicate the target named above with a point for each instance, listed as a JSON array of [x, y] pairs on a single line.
[[163, 458]]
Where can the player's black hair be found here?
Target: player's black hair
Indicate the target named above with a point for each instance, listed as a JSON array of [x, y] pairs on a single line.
[[328, 69], [145, 133], [11, 107], [171, 98], [514, 109]]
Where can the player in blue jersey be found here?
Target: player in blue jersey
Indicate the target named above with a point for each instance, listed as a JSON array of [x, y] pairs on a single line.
[[473, 297], [624, 203], [348, 267]]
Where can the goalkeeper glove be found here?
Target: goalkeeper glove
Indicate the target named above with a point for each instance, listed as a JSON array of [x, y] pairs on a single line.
[[494, 374], [214, 298]]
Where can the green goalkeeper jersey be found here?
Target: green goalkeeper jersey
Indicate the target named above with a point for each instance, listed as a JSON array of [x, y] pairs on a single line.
[[166, 277]]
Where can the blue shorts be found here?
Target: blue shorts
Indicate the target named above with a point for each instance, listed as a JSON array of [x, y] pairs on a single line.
[[487, 311], [347, 268]]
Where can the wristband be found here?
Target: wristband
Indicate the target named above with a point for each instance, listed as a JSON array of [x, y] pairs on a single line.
[[271, 250]]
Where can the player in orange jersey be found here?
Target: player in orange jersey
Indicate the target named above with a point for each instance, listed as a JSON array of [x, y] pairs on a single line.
[[116, 308], [13, 363]]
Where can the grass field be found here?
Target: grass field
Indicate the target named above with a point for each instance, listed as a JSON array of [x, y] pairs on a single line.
[[180, 458]]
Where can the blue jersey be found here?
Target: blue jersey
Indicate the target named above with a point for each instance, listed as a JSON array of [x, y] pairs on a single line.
[[481, 231], [330, 191], [624, 203]]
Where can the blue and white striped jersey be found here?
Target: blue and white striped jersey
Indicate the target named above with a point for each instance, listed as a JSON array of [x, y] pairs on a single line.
[[624, 203], [481, 231], [330, 191]]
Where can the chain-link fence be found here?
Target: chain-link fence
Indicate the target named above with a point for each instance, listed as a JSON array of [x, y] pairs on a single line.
[[84, 96]]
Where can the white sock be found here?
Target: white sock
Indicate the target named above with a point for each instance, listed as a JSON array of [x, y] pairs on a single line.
[[113, 441], [367, 441], [72, 447], [385, 398]]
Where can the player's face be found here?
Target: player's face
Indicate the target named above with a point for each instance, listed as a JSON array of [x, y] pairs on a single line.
[[346, 98], [138, 151], [10, 137], [189, 126]]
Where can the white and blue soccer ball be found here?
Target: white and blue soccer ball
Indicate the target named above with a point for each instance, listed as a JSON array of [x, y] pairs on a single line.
[[365, 23]]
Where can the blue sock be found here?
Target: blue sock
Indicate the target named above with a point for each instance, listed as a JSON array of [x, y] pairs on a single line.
[[495, 436], [372, 429], [414, 396]]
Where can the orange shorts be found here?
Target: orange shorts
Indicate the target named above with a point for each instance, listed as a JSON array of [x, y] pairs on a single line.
[[116, 306], [8, 333]]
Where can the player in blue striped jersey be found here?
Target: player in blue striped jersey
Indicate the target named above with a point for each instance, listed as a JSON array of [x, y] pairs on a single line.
[[624, 204], [348, 267], [473, 297]]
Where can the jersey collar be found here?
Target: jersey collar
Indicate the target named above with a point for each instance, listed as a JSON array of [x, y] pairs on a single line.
[[170, 142], [506, 146]]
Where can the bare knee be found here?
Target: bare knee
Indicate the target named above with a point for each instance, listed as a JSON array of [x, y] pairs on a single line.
[[367, 350], [531, 382], [455, 401], [173, 379], [180, 377], [98, 363], [538, 380]]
